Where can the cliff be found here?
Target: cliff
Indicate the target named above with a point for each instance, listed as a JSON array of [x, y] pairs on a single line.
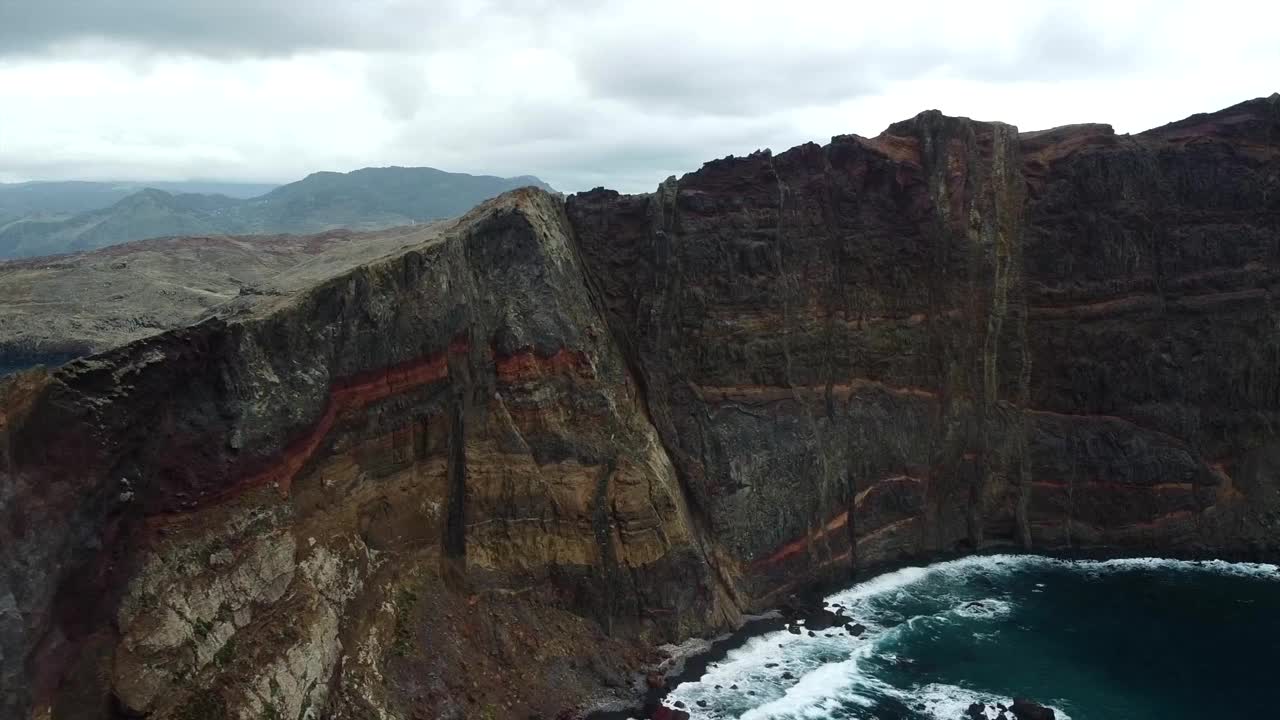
[[954, 336], [54, 309], [484, 474]]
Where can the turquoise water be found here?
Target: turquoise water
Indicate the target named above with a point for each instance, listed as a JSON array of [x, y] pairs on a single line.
[[1111, 640]]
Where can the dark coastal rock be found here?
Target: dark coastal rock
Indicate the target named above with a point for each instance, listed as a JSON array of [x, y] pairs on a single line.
[[976, 711], [1024, 709], [823, 619], [508, 454]]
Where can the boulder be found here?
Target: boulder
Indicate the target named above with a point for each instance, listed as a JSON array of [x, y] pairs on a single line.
[[1024, 709]]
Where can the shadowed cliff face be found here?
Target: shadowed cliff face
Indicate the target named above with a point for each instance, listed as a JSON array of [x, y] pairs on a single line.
[[952, 336], [834, 342], [482, 476]]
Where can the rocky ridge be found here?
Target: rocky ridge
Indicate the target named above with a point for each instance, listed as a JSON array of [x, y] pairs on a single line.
[[484, 474], [53, 309]]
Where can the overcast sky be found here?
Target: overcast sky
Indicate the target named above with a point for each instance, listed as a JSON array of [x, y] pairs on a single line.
[[580, 93]]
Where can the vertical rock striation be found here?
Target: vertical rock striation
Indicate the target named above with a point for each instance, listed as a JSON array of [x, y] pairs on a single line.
[[955, 336], [482, 476], [196, 520]]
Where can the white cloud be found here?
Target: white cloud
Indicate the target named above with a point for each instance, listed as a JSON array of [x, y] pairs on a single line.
[[581, 93]]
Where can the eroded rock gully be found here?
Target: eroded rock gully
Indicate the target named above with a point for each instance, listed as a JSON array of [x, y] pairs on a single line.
[[484, 476]]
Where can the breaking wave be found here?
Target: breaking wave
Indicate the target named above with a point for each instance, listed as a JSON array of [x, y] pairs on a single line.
[[936, 639]]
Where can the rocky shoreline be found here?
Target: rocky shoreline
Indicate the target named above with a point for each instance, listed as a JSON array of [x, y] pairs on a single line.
[[583, 428], [808, 611]]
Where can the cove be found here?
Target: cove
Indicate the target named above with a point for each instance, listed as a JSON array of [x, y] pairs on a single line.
[[1139, 639]]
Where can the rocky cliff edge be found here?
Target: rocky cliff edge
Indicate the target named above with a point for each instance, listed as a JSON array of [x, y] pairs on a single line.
[[485, 475]]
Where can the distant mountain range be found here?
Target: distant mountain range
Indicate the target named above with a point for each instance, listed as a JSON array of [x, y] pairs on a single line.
[[61, 217], [76, 196]]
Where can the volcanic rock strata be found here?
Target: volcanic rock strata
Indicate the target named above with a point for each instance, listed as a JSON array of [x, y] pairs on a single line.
[[483, 475]]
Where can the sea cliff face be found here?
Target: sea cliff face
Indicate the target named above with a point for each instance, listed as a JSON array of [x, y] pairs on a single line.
[[273, 515], [484, 475], [954, 336]]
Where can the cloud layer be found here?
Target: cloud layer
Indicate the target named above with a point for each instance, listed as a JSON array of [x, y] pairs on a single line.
[[581, 93]]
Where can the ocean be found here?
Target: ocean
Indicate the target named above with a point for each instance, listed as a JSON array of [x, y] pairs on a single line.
[[1140, 639]]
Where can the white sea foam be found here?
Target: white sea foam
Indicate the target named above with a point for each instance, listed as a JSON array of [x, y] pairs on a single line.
[[814, 695], [811, 677], [996, 564], [986, 609], [1221, 567], [949, 702], [776, 666], [879, 585]]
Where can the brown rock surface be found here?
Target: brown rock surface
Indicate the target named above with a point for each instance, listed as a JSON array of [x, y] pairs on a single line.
[[228, 516], [482, 471]]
